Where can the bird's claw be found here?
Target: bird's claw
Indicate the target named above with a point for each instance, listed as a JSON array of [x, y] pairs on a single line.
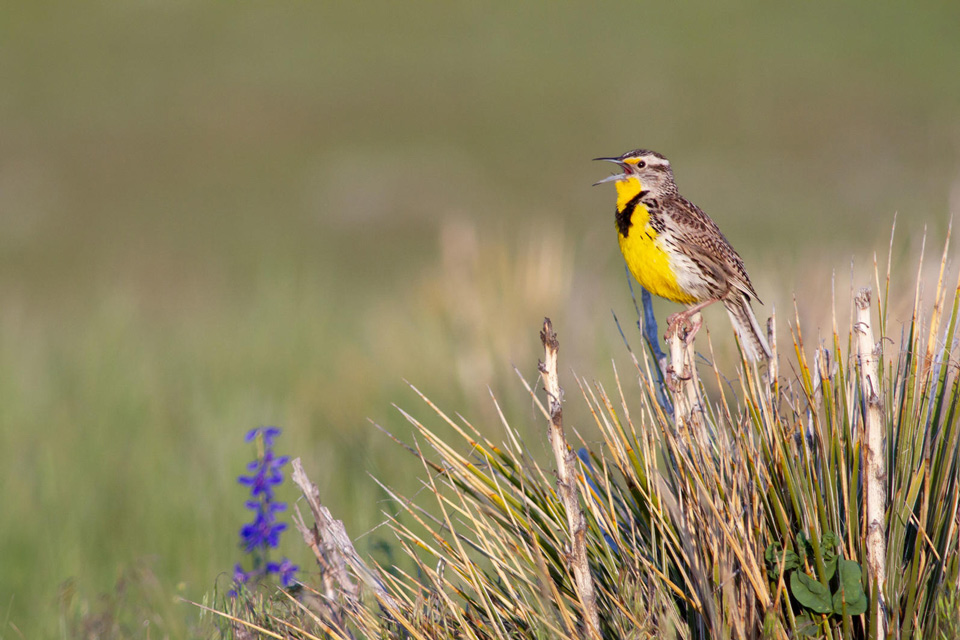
[[678, 324], [683, 325]]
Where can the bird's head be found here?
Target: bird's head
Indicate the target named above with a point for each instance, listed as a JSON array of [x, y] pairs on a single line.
[[642, 169]]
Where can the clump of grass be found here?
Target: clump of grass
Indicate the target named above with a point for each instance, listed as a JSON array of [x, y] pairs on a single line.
[[741, 514], [139, 605]]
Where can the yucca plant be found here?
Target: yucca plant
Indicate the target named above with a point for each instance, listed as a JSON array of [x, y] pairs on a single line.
[[819, 503]]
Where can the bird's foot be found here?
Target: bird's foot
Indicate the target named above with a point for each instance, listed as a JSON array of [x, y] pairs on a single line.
[[684, 324]]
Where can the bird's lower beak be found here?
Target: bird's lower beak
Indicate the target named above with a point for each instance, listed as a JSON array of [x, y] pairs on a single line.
[[611, 178], [616, 176]]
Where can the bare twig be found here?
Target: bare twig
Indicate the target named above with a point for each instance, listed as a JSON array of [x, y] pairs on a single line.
[[567, 482], [875, 474], [773, 368], [334, 550]]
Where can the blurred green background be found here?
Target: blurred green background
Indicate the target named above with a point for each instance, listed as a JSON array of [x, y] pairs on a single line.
[[215, 216]]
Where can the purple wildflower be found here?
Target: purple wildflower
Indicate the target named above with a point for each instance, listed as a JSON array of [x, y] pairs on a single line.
[[240, 578], [263, 533], [286, 570], [239, 575], [266, 468], [269, 435]]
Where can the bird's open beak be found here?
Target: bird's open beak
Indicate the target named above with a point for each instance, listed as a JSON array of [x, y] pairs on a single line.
[[614, 177]]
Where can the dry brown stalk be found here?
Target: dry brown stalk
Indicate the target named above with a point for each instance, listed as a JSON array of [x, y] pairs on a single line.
[[682, 378], [875, 474], [567, 473], [334, 550], [773, 370]]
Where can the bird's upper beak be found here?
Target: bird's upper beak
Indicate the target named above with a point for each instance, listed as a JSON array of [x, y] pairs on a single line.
[[616, 176]]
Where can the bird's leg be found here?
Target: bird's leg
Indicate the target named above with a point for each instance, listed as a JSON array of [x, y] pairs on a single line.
[[688, 321], [684, 325], [695, 321]]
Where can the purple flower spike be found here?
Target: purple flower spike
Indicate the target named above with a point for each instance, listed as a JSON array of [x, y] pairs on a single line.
[[263, 533]]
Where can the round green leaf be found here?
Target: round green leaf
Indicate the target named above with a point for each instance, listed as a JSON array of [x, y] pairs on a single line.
[[854, 607], [810, 593]]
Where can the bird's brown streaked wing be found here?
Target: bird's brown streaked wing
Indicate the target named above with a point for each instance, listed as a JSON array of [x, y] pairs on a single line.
[[699, 237]]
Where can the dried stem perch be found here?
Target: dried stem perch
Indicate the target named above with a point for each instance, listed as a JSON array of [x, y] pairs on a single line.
[[875, 474], [567, 482], [682, 379]]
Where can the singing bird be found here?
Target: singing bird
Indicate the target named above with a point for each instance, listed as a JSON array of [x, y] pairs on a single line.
[[677, 252]]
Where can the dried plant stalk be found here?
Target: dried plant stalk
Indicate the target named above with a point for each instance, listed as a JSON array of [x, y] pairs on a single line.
[[875, 473], [682, 378], [773, 370], [334, 550], [567, 482]]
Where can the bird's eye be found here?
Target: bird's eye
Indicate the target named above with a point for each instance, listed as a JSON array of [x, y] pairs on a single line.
[[641, 164]]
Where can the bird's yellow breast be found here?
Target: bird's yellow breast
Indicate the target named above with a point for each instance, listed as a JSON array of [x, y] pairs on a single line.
[[648, 257]]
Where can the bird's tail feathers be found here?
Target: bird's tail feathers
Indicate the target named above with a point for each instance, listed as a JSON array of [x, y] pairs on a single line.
[[748, 329]]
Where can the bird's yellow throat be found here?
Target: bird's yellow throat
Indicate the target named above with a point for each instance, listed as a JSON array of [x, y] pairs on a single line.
[[645, 256], [627, 190]]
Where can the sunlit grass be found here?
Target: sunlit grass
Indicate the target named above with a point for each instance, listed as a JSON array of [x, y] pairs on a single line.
[[191, 243], [747, 521]]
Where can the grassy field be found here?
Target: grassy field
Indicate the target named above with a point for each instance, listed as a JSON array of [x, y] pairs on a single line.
[[214, 217]]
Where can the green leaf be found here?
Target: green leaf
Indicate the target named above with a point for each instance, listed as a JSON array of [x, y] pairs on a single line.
[[810, 593], [854, 607], [851, 576], [829, 540], [850, 590], [774, 554], [807, 627], [828, 545], [830, 566], [790, 560]]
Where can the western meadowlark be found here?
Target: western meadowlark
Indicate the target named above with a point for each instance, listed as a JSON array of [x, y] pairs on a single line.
[[677, 252]]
